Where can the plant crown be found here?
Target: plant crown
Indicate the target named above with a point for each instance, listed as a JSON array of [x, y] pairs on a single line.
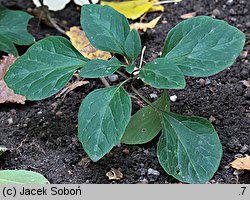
[[189, 148]]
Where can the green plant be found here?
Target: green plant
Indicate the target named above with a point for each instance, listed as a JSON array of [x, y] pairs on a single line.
[[189, 148], [13, 30], [21, 177]]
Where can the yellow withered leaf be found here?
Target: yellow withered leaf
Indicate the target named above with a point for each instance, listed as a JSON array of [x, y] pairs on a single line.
[[144, 26], [82, 44], [133, 9], [241, 163]]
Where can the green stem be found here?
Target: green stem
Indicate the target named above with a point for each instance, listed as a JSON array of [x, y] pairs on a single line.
[[127, 80], [104, 81], [122, 74], [144, 99]]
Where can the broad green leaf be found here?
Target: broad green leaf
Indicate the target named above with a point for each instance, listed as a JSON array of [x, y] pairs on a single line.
[[102, 119], [203, 46], [44, 69], [21, 177], [189, 148], [13, 30], [145, 124], [162, 74], [97, 68], [105, 28], [133, 45]]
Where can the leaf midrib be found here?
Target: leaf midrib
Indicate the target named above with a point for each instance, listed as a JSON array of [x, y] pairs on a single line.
[[179, 122]]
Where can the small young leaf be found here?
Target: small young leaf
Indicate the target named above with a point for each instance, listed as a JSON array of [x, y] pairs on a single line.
[[162, 74], [102, 119], [44, 69], [105, 28], [130, 68], [189, 148], [13, 30], [97, 68], [203, 46], [133, 45], [145, 124], [21, 177]]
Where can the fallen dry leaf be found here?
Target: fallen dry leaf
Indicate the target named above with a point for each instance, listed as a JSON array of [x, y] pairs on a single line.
[[188, 15], [114, 174], [241, 163], [246, 83], [71, 86], [134, 9], [82, 44], [85, 162], [6, 94], [140, 26]]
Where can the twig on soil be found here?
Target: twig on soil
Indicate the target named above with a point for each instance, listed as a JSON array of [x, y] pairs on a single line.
[[21, 144], [164, 2]]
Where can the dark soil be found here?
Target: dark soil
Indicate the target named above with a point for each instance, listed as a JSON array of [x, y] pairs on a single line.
[[43, 135]]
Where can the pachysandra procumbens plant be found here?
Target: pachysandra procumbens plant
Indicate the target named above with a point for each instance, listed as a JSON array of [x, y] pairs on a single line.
[[189, 148]]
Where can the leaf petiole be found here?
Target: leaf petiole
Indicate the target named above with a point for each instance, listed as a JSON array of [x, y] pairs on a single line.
[[145, 99]]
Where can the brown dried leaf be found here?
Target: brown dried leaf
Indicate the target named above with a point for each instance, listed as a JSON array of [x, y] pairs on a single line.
[[82, 44], [246, 83], [241, 163], [6, 94], [144, 26], [71, 86], [188, 15], [85, 162], [114, 174]]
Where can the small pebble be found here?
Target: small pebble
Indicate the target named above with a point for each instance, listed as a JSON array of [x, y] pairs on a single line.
[[39, 113], [232, 11], [113, 77], [216, 12], [59, 113], [229, 2], [13, 111], [110, 155], [227, 167], [173, 98], [243, 54], [238, 155], [153, 172], [10, 121], [202, 82], [208, 81], [212, 119], [248, 24], [144, 181], [238, 172], [125, 151], [244, 149], [153, 96], [146, 151]]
